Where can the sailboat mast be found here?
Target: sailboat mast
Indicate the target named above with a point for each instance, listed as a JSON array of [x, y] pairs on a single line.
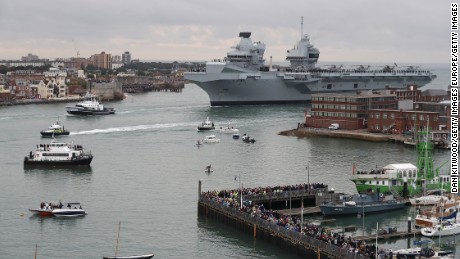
[[118, 239]]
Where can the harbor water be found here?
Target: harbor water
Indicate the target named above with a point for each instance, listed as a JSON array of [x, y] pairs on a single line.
[[146, 170]]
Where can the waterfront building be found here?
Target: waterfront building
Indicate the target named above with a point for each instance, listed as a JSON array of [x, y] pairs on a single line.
[[399, 121], [348, 110], [416, 95]]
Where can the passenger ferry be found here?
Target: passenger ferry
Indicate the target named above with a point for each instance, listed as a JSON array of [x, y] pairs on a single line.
[[58, 153]]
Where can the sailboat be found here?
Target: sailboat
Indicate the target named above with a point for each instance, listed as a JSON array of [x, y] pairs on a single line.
[[146, 256]]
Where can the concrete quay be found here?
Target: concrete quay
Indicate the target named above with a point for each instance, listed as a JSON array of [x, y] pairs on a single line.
[[352, 134]]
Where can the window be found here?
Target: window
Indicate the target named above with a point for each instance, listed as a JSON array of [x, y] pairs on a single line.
[[377, 115], [355, 85], [392, 116], [421, 117], [385, 116], [329, 86]]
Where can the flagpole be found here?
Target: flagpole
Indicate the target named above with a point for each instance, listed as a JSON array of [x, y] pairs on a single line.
[[301, 219], [376, 237]]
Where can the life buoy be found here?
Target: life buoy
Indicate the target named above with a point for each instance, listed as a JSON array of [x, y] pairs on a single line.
[[381, 195]]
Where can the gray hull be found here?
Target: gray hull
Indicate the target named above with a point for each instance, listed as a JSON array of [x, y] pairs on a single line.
[[329, 209], [226, 84]]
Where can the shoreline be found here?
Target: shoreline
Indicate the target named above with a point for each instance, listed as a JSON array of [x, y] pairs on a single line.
[[351, 134]]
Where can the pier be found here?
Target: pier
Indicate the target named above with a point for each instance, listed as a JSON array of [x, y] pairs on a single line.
[[226, 208]]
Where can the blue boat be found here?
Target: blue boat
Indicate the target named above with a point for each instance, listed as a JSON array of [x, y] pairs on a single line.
[[361, 203]]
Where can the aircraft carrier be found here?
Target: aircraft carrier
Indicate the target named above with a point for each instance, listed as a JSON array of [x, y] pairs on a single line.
[[242, 78]]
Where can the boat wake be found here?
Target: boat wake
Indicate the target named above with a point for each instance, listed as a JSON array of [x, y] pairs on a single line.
[[133, 128]]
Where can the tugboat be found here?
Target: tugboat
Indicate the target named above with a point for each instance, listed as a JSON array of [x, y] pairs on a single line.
[[55, 130], [57, 154], [206, 125], [89, 106]]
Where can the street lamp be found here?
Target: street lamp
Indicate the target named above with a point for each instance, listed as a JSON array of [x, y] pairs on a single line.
[[308, 174], [241, 189]]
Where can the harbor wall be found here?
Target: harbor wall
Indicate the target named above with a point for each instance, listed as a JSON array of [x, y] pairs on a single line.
[[302, 245], [352, 134]]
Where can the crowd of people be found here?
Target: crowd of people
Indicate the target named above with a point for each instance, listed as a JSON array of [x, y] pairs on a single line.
[[230, 198]]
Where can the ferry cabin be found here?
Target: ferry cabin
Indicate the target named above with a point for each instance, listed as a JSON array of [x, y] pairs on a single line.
[[57, 151], [390, 177]]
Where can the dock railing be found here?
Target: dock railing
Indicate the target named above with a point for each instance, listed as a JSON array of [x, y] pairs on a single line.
[[294, 237], [283, 194]]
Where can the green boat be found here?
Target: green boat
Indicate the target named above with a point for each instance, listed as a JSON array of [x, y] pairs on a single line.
[[406, 179]]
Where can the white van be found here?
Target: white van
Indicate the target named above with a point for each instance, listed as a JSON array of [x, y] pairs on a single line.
[[334, 126]]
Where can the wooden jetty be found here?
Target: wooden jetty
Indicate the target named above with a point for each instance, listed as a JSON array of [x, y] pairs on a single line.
[[401, 234], [303, 245]]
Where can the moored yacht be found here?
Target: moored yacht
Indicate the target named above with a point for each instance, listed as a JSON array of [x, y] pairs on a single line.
[[58, 153]]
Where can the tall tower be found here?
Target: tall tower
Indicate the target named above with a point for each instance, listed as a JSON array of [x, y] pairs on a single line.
[[126, 57]]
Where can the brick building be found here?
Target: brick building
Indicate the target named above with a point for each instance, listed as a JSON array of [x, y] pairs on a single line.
[[350, 111], [399, 121]]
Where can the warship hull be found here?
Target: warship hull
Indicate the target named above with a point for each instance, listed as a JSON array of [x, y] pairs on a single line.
[[230, 85]]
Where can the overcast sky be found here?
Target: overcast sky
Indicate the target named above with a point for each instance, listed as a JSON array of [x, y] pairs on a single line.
[[414, 31]]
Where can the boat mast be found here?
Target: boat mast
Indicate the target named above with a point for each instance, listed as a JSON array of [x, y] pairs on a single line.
[[118, 238]]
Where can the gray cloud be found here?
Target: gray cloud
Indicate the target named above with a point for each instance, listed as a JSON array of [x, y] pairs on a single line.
[[354, 30]]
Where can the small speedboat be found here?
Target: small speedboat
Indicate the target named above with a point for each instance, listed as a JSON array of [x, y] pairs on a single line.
[[211, 139], [247, 139], [228, 130], [45, 210], [70, 209], [206, 125], [54, 130]]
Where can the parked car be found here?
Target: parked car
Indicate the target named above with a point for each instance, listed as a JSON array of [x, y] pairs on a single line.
[[334, 126]]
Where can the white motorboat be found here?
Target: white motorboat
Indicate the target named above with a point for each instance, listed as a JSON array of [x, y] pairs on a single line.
[[70, 209], [89, 106], [228, 130], [206, 125], [425, 200], [211, 139], [58, 154], [446, 228], [415, 253]]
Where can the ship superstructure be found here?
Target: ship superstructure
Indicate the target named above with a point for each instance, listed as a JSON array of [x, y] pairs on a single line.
[[242, 77]]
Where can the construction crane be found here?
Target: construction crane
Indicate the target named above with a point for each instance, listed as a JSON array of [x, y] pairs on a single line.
[[75, 47]]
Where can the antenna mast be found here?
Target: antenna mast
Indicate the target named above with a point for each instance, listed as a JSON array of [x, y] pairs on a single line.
[[301, 26]]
